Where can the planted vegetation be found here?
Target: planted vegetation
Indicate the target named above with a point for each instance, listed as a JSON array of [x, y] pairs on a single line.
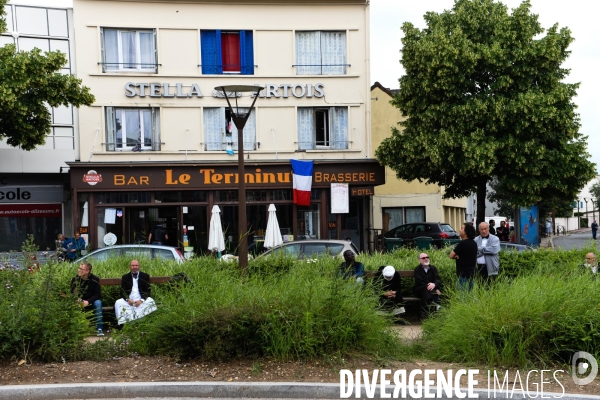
[[541, 310]]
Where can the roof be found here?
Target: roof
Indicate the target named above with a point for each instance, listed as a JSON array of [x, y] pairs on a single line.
[[390, 92]]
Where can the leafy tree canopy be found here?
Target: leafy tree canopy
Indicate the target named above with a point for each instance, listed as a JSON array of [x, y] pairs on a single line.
[[484, 98], [29, 83]]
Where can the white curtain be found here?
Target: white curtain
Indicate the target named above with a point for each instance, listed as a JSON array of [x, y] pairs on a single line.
[[416, 214], [308, 53], [147, 50], [249, 131], [214, 126], [147, 119], [128, 47], [339, 134], [132, 127], [333, 50], [306, 140], [111, 50]]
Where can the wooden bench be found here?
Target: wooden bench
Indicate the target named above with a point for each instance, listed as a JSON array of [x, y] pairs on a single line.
[[117, 282]]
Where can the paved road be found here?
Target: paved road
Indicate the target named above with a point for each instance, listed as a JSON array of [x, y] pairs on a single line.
[[573, 241]]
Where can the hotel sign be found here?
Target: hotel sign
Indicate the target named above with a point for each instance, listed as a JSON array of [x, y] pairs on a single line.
[[206, 177]]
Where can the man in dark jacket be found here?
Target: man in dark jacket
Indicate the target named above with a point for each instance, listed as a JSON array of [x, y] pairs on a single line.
[[351, 268], [388, 281], [158, 235], [427, 283], [86, 287], [135, 289]]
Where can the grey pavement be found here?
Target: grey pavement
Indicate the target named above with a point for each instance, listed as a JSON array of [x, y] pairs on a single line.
[[203, 390], [574, 239]]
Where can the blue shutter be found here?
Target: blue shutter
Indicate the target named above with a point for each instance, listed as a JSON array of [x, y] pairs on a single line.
[[247, 53], [211, 52]]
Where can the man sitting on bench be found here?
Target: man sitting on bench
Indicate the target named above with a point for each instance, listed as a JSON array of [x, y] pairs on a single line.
[[427, 284], [136, 302], [86, 287], [391, 289]]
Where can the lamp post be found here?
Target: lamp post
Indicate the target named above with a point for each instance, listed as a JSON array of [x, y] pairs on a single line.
[[586, 211], [240, 119]]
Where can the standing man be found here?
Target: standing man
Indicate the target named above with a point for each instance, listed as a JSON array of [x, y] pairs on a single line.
[[158, 235], [77, 244], [465, 254], [136, 302], [594, 229], [89, 292], [488, 247], [427, 284], [502, 232], [492, 227]]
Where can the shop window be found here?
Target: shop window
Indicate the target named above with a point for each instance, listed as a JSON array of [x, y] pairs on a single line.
[[226, 195], [396, 216], [128, 50], [220, 133], [321, 53], [322, 128], [226, 52], [280, 195], [122, 197], [132, 129], [187, 196]]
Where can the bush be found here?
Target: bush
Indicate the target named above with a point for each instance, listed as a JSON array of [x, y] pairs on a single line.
[[541, 318]]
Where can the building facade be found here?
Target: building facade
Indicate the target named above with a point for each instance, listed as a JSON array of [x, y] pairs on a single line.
[[34, 185], [399, 202], [156, 145]]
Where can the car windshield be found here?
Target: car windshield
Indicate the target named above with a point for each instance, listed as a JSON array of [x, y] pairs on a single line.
[[446, 228]]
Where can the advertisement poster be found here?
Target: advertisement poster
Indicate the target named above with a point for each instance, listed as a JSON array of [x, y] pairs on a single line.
[[340, 200], [529, 225]]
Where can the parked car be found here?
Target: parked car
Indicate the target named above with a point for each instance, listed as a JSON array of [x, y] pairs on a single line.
[[504, 246], [437, 231], [151, 251], [312, 248]]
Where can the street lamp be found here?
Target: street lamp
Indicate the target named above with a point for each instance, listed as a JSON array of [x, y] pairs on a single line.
[[240, 119], [586, 211]]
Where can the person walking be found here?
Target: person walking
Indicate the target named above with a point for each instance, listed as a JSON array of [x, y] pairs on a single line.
[[594, 229]]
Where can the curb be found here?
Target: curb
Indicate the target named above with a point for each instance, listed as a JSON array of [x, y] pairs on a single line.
[[279, 390]]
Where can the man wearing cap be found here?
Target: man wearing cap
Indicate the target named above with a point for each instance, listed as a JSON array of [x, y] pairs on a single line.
[[391, 286], [351, 268], [427, 283], [136, 301]]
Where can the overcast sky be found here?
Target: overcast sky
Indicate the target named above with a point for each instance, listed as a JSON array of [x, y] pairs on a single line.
[[582, 17]]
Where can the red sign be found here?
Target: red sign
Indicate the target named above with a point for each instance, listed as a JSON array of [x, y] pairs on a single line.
[[31, 210]]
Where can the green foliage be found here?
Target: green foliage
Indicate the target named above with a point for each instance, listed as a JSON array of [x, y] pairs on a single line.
[[484, 97], [29, 81], [595, 192], [36, 322], [536, 320]]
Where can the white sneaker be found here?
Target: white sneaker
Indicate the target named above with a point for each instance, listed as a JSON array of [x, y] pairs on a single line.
[[99, 333]]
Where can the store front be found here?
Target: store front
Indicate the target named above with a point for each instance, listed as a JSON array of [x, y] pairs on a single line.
[[130, 199]]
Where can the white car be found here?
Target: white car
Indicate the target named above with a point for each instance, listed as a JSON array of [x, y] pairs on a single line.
[[132, 251], [312, 248]]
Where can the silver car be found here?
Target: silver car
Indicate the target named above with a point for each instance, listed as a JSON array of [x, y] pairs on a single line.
[[312, 248], [132, 251]]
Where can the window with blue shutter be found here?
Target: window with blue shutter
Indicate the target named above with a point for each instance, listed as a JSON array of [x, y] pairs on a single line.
[[213, 57]]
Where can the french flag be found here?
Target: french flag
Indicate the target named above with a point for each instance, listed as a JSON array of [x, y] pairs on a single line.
[[302, 176]]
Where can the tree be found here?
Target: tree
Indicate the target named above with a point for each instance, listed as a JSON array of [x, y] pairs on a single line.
[[484, 98], [595, 192], [29, 82]]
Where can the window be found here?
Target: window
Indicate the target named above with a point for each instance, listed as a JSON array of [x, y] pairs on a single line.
[[396, 216], [134, 129], [322, 128], [227, 52], [128, 50], [221, 134], [320, 53]]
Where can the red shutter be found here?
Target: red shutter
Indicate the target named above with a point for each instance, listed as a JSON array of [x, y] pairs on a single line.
[[230, 48]]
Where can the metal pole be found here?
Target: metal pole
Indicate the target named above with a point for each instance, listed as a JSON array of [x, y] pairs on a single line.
[[242, 225], [578, 216]]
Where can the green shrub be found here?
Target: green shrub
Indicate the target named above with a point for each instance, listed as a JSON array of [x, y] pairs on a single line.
[[36, 321], [541, 318]]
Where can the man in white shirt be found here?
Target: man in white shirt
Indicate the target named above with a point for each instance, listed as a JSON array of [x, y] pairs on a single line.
[[488, 247], [136, 301]]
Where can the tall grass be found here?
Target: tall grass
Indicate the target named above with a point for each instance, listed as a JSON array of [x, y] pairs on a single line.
[[538, 319]]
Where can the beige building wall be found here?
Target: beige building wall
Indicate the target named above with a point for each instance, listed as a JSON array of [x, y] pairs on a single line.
[[400, 193], [178, 27]]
